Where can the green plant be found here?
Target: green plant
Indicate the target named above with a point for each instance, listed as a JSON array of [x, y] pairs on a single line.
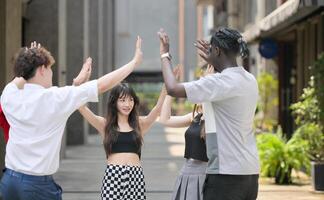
[[268, 87], [312, 133], [278, 157], [307, 114], [181, 107], [148, 93], [317, 70], [307, 110]]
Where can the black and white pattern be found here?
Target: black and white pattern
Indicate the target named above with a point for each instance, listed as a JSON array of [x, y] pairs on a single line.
[[123, 182]]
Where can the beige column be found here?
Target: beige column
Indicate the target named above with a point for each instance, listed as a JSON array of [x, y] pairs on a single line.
[[181, 35], [62, 55], [232, 6], [10, 42], [261, 9], [100, 50], [10, 37], [86, 53], [199, 28]]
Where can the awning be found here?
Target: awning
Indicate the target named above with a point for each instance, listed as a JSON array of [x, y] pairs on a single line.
[[285, 15]]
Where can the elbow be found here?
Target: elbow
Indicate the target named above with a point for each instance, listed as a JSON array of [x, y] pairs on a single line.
[[101, 88], [171, 91], [176, 91], [103, 85]]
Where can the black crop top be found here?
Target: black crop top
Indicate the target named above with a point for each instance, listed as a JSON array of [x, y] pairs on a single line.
[[126, 143], [195, 146]]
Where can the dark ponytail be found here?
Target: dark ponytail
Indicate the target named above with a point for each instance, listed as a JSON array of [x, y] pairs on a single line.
[[230, 41], [244, 50]]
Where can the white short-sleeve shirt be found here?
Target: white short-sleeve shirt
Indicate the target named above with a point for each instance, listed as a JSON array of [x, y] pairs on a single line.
[[37, 118], [229, 102]]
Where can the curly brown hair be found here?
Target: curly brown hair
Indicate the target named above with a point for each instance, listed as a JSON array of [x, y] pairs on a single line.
[[28, 60]]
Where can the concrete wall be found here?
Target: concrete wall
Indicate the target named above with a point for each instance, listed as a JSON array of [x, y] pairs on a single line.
[[71, 30], [74, 61], [10, 37], [40, 23], [89, 33], [145, 18]]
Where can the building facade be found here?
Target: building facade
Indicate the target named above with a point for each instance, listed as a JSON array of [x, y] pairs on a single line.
[[295, 27]]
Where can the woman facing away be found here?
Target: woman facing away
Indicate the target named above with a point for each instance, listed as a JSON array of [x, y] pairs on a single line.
[[122, 131], [189, 184]]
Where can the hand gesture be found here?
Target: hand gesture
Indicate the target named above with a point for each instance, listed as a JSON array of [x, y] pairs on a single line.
[[210, 69], [34, 45], [164, 42], [85, 73], [138, 57], [177, 71], [204, 50]]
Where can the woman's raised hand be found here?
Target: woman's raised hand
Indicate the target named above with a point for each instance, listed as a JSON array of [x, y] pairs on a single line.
[[177, 71], [84, 74], [138, 57]]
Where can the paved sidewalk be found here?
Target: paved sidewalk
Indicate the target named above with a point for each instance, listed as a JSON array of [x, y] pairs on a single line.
[[81, 172]]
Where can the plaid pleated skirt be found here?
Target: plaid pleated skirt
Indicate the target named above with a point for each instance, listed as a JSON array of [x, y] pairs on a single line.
[[190, 182], [123, 182]]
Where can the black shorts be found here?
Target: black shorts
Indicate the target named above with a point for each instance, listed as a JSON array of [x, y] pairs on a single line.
[[231, 187]]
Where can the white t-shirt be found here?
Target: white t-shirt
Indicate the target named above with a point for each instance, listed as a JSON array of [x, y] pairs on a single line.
[[229, 102], [37, 118]]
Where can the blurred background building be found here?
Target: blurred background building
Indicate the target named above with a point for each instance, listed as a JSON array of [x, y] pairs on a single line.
[[106, 30]]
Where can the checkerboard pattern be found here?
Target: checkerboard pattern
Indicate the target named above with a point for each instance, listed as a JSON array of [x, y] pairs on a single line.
[[123, 182]]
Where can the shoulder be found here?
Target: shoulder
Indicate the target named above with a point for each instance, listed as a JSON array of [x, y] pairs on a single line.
[[10, 87], [9, 90]]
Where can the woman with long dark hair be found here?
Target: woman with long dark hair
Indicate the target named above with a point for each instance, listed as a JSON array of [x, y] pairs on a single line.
[[189, 184], [122, 131]]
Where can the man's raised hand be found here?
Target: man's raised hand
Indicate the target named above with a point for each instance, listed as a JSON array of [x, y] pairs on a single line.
[[164, 41]]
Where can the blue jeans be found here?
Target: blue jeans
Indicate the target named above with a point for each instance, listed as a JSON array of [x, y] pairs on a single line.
[[18, 186]]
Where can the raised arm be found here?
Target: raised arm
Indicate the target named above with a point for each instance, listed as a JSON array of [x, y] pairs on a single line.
[[147, 121], [174, 88], [110, 80], [96, 121], [173, 121]]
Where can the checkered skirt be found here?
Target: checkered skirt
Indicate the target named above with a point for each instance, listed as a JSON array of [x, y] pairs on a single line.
[[123, 182]]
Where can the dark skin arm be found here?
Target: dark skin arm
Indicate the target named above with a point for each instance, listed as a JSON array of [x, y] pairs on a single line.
[[173, 88]]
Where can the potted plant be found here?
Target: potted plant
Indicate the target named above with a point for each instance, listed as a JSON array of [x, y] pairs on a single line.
[[313, 134], [278, 157], [309, 117]]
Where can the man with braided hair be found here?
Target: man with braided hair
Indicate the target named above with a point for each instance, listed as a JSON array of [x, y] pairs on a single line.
[[229, 98]]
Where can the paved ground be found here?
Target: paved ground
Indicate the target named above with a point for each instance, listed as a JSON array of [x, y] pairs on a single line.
[[81, 172]]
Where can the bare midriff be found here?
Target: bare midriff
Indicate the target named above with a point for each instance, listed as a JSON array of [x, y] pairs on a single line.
[[130, 159]]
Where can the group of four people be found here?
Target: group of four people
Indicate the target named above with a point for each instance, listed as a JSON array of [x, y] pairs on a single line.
[[220, 150]]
